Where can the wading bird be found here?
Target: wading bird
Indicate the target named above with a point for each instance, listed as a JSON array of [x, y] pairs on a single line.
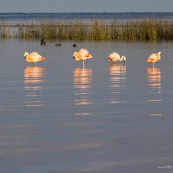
[[114, 57], [83, 54], [154, 57], [33, 57]]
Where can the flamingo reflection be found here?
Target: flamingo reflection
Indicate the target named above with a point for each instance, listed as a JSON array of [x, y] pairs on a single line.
[[154, 83], [117, 81], [33, 79], [82, 84], [117, 75], [154, 77]]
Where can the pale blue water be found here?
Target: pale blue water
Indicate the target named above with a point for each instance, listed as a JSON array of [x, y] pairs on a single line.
[[18, 17], [60, 118]]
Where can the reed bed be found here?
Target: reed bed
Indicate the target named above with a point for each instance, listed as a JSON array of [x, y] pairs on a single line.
[[143, 30]]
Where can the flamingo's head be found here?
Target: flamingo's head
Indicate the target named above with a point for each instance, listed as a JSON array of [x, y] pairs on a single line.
[[124, 58], [25, 54], [109, 58], [75, 54], [159, 53]]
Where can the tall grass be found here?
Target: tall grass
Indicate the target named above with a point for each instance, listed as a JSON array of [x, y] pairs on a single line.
[[145, 29], [4, 32]]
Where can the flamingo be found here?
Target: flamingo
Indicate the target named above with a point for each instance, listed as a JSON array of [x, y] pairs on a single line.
[[33, 57], [154, 57], [83, 54], [113, 57]]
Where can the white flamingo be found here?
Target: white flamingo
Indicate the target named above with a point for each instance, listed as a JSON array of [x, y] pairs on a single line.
[[83, 54], [114, 57], [33, 57]]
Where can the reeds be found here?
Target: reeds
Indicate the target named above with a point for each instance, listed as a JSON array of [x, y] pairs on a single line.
[[4, 32], [143, 30]]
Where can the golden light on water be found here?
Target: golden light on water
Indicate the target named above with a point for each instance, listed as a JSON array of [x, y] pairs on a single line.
[[82, 83], [117, 75], [154, 77], [34, 77], [117, 78]]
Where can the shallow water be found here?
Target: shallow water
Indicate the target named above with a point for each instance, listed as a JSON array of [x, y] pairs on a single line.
[[60, 118]]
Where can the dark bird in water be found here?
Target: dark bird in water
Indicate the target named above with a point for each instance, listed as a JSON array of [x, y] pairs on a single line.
[[58, 44], [74, 45], [42, 42]]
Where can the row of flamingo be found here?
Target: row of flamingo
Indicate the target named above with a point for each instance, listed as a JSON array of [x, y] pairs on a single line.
[[84, 54]]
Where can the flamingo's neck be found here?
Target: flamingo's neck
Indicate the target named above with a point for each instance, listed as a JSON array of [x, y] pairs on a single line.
[[158, 57], [123, 59]]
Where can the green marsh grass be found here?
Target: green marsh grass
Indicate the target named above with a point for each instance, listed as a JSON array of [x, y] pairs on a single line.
[[4, 32], [136, 30]]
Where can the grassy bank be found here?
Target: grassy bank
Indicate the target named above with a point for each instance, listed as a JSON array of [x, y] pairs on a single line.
[[143, 30]]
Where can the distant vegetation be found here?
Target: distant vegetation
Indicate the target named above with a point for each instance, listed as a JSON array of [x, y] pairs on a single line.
[[143, 30]]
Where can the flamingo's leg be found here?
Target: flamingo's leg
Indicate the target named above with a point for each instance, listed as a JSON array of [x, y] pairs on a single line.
[[83, 64]]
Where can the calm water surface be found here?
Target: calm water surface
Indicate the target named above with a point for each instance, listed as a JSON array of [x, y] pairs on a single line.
[[21, 17], [60, 118]]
